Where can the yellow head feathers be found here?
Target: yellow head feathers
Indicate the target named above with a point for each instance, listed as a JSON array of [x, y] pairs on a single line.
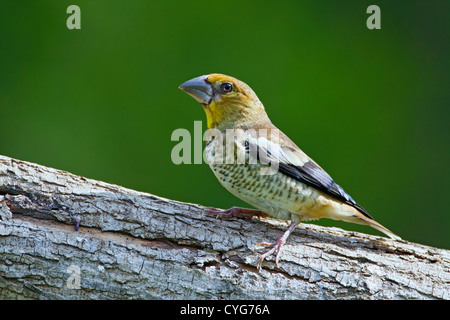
[[227, 101]]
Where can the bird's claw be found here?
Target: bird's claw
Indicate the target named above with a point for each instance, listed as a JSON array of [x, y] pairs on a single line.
[[276, 248], [77, 220], [264, 244]]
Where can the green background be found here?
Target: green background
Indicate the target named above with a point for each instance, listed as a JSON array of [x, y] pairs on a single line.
[[370, 106]]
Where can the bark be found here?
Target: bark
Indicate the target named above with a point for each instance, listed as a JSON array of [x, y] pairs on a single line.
[[135, 245]]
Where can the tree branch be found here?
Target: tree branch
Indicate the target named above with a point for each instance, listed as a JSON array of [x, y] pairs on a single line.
[[140, 246]]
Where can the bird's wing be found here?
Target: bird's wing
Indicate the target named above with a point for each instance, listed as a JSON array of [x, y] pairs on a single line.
[[284, 155]]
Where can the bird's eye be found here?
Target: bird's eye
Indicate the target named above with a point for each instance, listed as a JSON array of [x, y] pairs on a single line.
[[226, 87]]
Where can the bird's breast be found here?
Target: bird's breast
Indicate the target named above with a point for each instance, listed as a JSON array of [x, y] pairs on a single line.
[[276, 194]]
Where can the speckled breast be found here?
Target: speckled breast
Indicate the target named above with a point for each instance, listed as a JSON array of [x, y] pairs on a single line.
[[275, 194]]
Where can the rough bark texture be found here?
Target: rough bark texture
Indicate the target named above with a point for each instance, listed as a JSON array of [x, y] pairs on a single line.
[[134, 245]]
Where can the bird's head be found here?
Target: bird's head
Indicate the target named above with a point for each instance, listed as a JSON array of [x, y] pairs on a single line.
[[227, 101]]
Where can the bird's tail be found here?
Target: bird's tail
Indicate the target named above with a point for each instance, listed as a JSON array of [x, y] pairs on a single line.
[[379, 227], [349, 214]]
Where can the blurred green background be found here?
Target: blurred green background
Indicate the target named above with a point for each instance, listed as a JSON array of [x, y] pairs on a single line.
[[370, 106]]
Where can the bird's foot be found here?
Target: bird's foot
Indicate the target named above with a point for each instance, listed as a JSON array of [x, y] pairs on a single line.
[[77, 220], [276, 247], [236, 212]]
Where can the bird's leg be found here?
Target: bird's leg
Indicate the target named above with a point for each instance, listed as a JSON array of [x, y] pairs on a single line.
[[236, 212], [276, 247]]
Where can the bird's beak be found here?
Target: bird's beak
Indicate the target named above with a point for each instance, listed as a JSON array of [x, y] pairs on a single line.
[[199, 88]]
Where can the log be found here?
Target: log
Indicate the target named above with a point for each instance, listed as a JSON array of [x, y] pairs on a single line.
[[135, 245]]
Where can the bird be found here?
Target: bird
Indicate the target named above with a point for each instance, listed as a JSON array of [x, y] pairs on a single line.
[[258, 163]]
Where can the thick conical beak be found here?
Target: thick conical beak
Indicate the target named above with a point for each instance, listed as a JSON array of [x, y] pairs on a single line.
[[199, 88]]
